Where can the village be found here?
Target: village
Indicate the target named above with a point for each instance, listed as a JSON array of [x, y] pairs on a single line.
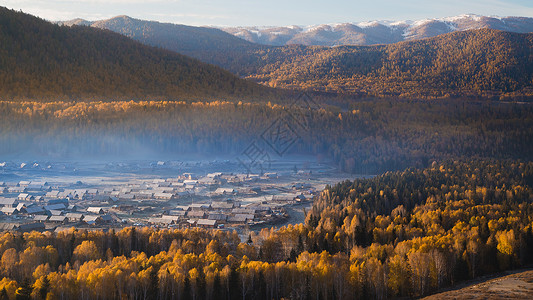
[[222, 200]]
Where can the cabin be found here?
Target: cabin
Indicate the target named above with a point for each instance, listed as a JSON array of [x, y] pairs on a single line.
[[35, 210], [74, 217], [8, 202], [8, 226], [24, 183], [240, 218], [123, 196], [58, 201], [218, 217], [58, 219], [59, 207], [196, 214], [240, 210], [225, 191], [207, 181], [206, 223], [177, 213], [95, 210], [288, 198], [220, 205], [214, 175], [9, 210], [17, 189], [92, 192], [160, 221], [52, 194], [31, 227], [91, 219], [97, 219], [173, 219], [199, 206], [40, 218], [54, 212], [25, 197], [106, 219], [163, 196]]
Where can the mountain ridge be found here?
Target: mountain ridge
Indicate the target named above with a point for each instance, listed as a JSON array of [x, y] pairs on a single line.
[[484, 62], [350, 33], [376, 32], [43, 60]]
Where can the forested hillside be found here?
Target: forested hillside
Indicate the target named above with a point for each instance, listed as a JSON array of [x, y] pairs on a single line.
[[402, 234], [484, 62], [473, 63], [40, 60], [188, 40], [370, 137]]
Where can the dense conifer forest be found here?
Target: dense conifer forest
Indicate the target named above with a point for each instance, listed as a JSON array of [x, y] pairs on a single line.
[[40, 60], [366, 137], [479, 63]]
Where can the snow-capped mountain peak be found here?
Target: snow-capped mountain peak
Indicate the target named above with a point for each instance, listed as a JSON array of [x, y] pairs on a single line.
[[377, 31]]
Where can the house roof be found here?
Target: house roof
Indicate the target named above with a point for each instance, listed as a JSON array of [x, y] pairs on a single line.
[[40, 218], [9, 210], [54, 207], [95, 209], [243, 211], [31, 226], [240, 218], [7, 201], [106, 218], [219, 217], [160, 221], [222, 205], [57, 219], [176, 212], [52, 194], [74, 215], [8, 226], [34, 210], [206, 222], [196, 214], [90, 218], [163, 195]]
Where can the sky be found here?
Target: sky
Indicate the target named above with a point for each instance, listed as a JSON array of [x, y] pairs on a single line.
[[267, 12]]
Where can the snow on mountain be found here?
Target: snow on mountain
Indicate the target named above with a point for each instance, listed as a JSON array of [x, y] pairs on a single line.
[[377, 31]]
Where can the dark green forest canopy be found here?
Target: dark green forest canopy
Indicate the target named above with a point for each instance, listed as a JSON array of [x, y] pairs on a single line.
[[41, 60]]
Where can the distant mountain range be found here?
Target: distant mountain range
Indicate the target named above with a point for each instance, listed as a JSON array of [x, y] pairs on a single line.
[[361, 33], [376, 32], [41, 60]]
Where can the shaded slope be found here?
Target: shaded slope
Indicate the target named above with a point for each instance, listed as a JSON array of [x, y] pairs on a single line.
[[44, 60]]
